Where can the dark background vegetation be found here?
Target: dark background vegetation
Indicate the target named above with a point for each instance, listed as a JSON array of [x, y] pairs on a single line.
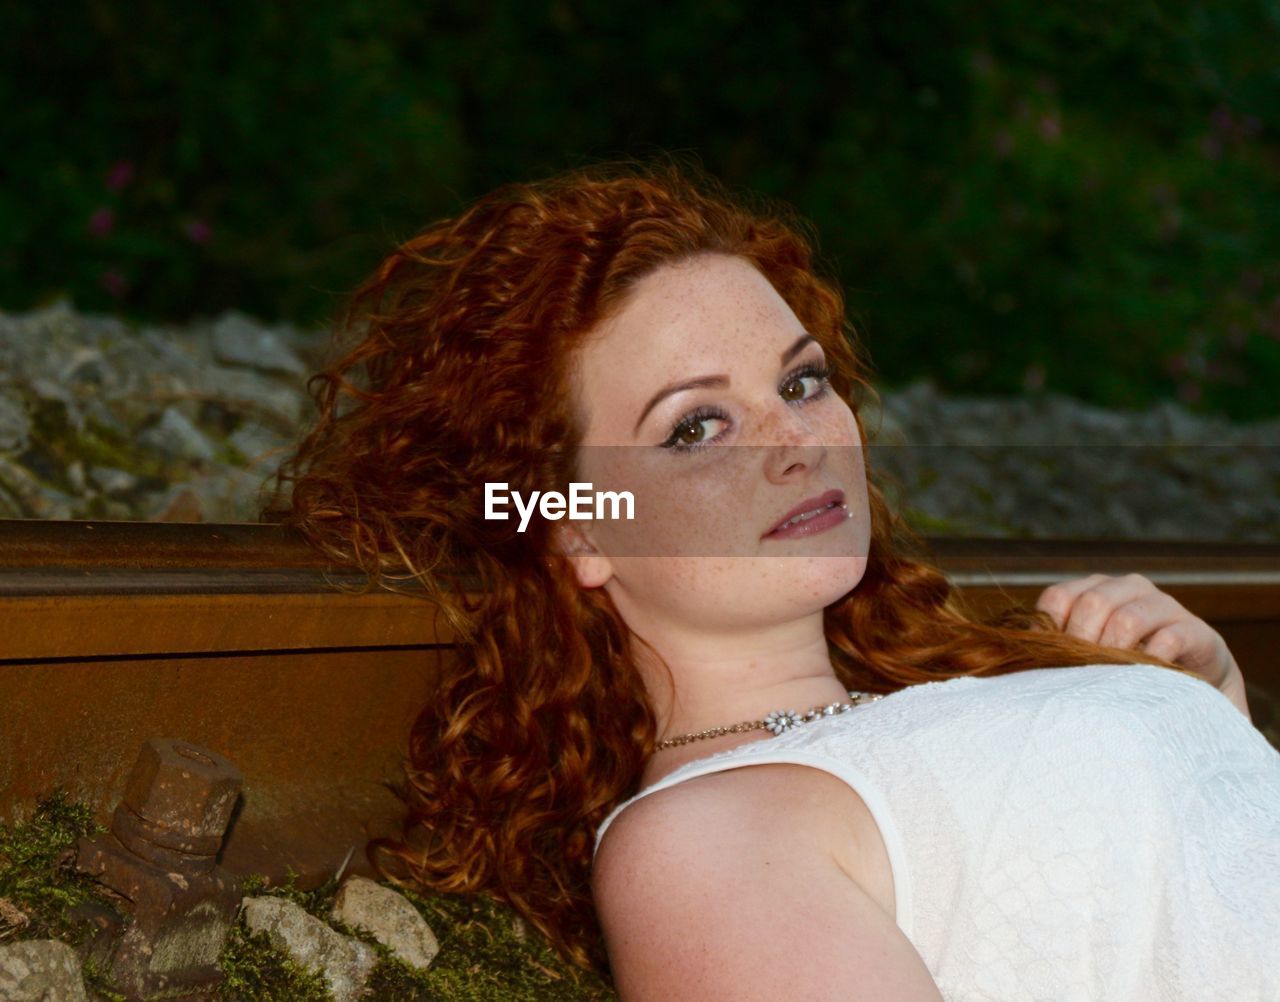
[[1016, 195]]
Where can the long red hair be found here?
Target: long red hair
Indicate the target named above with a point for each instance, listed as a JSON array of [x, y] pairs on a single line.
[[457, 376]]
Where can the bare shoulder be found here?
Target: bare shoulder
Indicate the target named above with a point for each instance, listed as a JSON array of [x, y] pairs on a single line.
[[803, 800], [714, 890]]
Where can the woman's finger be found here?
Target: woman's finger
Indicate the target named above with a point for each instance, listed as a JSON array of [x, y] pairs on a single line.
[[1135, 620], [1089, 605], [1057, 599]]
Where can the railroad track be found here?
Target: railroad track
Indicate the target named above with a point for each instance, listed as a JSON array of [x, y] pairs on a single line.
[[238, 637]]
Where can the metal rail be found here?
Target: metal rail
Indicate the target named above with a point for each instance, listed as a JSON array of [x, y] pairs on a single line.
[[238, 637]]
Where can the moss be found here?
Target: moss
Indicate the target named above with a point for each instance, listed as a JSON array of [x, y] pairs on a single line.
[[482, 957], [317, 901], [258, 971], [99, 983], [38, 876], [39, 885], [226, 452], [95, 444]]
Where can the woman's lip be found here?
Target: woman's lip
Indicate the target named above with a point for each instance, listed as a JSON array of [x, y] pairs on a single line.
[[808, 505], [827, 518]]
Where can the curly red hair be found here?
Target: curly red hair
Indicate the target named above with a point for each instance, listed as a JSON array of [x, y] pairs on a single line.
[[457, 377]]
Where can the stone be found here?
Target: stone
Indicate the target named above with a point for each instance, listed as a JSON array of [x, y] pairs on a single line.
[[37, 500], [239, 341], [40, 970], [112, 481], [262, 447], [389, 917], [174, 435], [312, 944], [15, 423], [255, 395]]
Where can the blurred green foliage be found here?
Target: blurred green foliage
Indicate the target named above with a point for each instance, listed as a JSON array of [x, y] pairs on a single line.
[[1084, 196]]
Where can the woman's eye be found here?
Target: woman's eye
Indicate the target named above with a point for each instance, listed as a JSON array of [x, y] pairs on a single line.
[[820, 373], [688, 435]]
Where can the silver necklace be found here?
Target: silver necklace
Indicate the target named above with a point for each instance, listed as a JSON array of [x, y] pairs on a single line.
[[778, 721]]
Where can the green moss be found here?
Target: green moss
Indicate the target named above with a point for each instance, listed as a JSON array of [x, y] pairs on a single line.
[[99, 983], [38, 876], [226, 452], [257, 971], [482, 957], [317, 902], [94, 444], [38, 881]]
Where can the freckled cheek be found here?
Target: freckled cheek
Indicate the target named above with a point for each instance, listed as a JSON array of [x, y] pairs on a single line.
[[682, 515]]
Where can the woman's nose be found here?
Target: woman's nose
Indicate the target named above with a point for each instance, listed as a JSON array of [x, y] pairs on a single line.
[[789, 438]]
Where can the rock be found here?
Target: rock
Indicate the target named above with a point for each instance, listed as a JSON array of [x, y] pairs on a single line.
[[38, 500], [40, 970], [312, 944], [262, 447], [15, 424], [256, 395], [221, 494], [111, 481], [239, 341], [175, 436], [362, 903], [175, 504], [1042, 464]]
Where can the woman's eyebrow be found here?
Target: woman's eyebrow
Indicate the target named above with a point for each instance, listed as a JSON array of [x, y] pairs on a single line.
[[718, 380]]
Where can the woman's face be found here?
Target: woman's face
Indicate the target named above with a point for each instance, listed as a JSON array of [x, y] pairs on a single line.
[[714, 467]]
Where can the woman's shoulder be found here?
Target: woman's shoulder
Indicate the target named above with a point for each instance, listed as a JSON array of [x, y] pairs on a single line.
[[756, 800], [805, 812]]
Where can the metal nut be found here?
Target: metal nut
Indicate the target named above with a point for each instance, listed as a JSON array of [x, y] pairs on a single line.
[[183, 788], [133, 830]]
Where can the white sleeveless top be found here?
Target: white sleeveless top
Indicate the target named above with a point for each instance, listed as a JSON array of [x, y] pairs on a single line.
[[1084, 834]]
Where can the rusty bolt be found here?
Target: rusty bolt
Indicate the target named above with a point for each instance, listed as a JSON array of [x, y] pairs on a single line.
[[130, 829], [184, 789]]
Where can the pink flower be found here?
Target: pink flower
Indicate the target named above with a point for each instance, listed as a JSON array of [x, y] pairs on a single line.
[[1050, 126], [120, 174], [198, 231], [102, 222], [113, 282]]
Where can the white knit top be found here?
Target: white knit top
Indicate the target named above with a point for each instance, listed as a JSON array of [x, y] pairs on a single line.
[[1099, 833]]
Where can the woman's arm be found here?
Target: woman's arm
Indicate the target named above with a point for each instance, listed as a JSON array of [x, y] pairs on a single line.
[[711, 900]]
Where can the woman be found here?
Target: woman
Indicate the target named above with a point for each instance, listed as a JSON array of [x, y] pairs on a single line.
[[1016, 808]]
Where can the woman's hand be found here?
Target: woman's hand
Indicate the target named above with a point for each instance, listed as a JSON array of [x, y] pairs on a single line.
[[1131, 613]]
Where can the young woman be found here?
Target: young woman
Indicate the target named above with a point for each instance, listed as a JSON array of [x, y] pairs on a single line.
[[1068, 802]]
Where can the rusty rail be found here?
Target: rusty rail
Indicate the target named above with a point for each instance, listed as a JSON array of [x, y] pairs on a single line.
[[235, 637]]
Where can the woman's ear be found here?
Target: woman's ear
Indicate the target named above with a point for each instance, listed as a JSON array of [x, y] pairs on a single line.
[[591, 567]]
